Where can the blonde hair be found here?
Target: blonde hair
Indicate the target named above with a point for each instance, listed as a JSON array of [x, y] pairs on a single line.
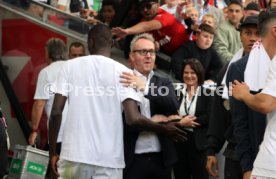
[[189, 9], [211, 16]]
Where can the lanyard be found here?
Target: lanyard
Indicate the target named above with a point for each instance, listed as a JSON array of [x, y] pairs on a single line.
[[187, 109]]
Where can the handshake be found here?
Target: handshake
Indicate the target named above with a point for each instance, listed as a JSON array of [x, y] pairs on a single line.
[[184, 121]]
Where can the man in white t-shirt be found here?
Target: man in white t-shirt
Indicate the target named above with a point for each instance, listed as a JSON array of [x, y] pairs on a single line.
[[93, 134], [265, 102], [55, 51]]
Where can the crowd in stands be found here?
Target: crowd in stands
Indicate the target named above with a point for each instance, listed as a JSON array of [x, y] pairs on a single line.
[[140, 133]]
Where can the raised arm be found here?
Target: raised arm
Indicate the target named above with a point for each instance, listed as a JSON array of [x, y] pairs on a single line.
[[141, 27]]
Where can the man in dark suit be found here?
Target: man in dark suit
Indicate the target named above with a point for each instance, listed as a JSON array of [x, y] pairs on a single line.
[[148, 154], [249, 125], [221, 124]]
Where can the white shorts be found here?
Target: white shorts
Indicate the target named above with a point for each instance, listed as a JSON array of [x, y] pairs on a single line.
[[74, 170]]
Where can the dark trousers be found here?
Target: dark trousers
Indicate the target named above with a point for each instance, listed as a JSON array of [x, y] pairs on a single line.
[[147, 166], [191, 161], [232, 169]]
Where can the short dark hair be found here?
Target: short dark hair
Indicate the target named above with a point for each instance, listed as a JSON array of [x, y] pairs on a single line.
[[76, 44], [197, 67], [265, 19], [237, 2], [112, 3], [207, 28], [101, 37], [56, 49], [252, 6]]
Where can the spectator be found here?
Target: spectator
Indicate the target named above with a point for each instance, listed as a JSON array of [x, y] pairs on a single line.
[[109, 9], [107, 13], [189, 18], [133, 17], [264, 102], [225, 13], [194, 108], [76, 49], [93, 147], [192, 13], [200, 49], [249, 125], [227, 39], [204, 7], [252, 9], [221, 130], [170, 6], [35, 9], [80, 8], [210, 20], [166, 29], [262, 66], [72, 6]]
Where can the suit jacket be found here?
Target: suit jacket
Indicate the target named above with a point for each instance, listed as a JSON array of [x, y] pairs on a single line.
[[220, 126], [159, 104], [202, 112], [249, 125]]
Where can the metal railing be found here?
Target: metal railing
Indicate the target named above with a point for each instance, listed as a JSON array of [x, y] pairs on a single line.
[[19, 113], [48, 16]]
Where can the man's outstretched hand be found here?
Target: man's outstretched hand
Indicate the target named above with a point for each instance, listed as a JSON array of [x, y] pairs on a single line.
[[173, 129]]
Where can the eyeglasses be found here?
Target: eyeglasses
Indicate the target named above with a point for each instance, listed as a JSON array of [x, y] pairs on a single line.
[[146, 5], [144, 52]]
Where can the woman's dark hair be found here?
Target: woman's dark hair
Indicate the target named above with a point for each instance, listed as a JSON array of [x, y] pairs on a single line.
[[197, 67]]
